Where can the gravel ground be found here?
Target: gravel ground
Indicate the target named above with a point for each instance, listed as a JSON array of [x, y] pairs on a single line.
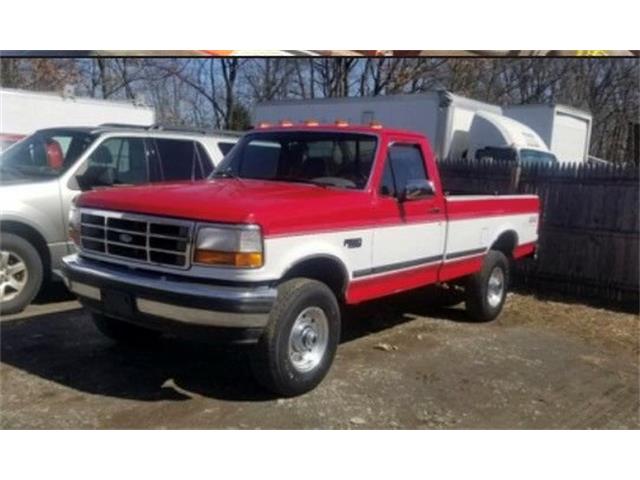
[[541, 364]]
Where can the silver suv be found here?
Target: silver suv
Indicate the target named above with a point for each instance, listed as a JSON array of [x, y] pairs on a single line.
[[41, 174]]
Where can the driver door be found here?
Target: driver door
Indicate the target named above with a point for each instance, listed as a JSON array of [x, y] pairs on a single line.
[[409, 236]]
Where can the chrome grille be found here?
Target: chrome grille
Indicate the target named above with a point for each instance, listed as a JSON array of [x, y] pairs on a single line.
[[141, 238]]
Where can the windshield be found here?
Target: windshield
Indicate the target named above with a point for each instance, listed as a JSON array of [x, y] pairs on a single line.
[[496, 154], [45, 154], [536, 156], [336, 159]]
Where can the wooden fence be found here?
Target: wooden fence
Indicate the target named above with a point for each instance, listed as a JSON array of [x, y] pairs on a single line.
[[589, 234]]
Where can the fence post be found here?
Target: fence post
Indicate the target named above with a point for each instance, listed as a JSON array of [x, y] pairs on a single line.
[[514, 180]]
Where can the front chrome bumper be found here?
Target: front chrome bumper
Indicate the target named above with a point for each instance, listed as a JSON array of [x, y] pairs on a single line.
[[166, 296]]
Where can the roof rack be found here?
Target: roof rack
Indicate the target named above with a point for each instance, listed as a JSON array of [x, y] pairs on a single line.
[[165, 128], [124, 125]]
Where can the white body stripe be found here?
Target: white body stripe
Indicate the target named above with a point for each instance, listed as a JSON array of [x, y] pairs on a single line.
[[465, 198], [404, 243], [381, 246], [474, 233]]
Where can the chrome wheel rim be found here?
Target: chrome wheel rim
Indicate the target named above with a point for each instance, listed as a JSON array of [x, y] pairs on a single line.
[[13, 275], [495, 288], [308, 339]]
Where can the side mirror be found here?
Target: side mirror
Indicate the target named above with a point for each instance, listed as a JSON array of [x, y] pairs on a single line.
[[417, 190], [95, 176]]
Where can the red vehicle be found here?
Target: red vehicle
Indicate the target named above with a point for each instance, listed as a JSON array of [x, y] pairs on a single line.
[[295, 222]]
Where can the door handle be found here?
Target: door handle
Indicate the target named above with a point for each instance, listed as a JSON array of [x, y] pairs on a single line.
[[434, 210]]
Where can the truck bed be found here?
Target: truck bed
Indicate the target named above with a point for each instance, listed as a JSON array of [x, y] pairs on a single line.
[[476, 221]]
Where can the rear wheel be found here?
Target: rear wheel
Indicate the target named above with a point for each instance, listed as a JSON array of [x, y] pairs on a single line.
[[486, 290], [297, 348], [21, 273], [123, 332]]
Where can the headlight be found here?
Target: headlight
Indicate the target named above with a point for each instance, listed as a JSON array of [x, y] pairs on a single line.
[[229, 246], [74, 225]]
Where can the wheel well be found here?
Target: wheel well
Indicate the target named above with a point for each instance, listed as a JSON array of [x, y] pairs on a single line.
[[34, 237], [328, 270], [506, 243]]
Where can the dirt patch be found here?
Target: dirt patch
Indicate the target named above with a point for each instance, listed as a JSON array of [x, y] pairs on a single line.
[[400, 365], [596, 325]]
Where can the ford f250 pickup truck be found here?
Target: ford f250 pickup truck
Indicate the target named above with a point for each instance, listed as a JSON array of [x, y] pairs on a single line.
[[296, 221]]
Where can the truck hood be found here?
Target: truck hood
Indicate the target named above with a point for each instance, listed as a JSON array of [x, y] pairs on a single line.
[[278, 207]]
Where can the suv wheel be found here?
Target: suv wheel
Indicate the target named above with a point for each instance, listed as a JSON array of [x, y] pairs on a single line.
[[20, 273], [297, 348]]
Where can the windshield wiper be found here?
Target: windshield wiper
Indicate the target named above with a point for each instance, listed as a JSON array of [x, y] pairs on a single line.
[[300, 180]]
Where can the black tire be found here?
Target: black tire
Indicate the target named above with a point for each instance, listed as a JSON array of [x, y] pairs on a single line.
[[23, 249], [270, 359], [479, 307], [123, 332], [439, 296]]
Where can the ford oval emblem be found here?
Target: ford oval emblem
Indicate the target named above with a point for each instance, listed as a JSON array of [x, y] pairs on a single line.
[[125, 238]]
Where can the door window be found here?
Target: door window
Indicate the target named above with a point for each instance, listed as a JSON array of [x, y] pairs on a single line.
[[122, 159], [404, 163]]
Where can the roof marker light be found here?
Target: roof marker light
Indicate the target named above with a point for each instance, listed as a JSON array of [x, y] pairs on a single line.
[[342, 123], [264, 125], [311, 123], [376, 125], [286, 123]]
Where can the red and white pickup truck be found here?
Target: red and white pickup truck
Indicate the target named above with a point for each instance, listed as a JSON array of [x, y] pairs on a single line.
[[294, 223]]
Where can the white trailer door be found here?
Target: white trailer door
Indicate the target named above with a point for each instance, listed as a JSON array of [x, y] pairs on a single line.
[[570, 137]]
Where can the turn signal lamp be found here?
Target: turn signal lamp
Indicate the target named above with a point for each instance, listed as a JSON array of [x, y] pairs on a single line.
[[229, 259]]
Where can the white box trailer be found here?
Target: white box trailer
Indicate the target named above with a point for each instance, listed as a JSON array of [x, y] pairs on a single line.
[[23, 112], [566, 130], [443, 117]]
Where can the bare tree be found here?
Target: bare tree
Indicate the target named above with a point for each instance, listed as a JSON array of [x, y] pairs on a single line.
[[270, 78], [208, 92]]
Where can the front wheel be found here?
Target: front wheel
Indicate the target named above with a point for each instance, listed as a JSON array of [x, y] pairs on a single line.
[[486, 290], [297, 347], [21, 273]]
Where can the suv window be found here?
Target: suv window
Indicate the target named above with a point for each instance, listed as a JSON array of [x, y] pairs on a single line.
[[404, 163], [224, 147], [46, 153], [182, 159], [205, 160], [124, 157]]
